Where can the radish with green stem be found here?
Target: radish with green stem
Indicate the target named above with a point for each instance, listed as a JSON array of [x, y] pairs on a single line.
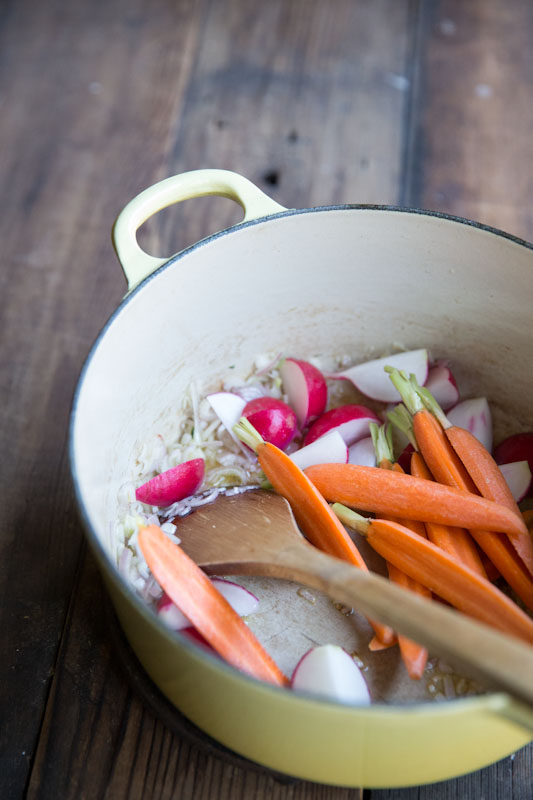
[[306, 389], [350, 420], [228, 406], [370, 379]]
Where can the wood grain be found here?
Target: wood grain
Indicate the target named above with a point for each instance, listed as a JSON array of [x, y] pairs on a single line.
[[353, 101]]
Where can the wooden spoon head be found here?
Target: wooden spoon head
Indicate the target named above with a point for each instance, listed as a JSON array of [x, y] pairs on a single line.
[[238, 534]]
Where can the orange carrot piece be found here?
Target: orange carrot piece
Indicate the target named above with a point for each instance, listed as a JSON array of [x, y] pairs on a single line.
[[414, 655], [210, 613], [456, 542], [386, 492], [450, 471], [312, 513], [460, 586], [490, 482]]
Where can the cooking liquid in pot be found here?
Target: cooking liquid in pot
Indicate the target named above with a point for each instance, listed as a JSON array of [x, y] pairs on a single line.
[[290, 618]]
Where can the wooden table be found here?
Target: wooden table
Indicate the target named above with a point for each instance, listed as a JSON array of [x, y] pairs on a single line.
[[408, 102]]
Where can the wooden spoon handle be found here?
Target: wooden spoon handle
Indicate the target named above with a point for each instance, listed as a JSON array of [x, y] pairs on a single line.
[[501, 661]]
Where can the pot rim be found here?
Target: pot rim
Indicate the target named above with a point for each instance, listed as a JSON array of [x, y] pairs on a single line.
[[450, 706]]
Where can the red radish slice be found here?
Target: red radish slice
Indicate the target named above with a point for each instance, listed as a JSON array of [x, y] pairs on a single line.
[[371, 379], [241, 600], [306, 389], [404, 459], [228, 407], [363, 453], [518, 477], [194, 636], [328, 449], [351, 421], [172, 485], [475, 416], [441, 383], [273, 419], [331, 672], [518, 447]]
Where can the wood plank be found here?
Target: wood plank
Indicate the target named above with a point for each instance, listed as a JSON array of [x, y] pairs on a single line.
[[83, 129], [250, 71], [474, 117]]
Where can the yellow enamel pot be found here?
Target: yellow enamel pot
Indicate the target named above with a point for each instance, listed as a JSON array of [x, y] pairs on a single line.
[[346, 279]]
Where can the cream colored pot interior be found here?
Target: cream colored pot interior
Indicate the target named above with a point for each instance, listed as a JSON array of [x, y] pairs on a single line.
[[329, 281]]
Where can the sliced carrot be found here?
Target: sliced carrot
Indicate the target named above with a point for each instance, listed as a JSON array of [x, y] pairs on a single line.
[[210, 613], [456, 542], [490, 482], [312, 513], [441, 573], [386, 492]]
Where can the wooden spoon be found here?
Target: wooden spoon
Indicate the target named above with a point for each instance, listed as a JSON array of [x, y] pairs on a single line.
[[254, 533]]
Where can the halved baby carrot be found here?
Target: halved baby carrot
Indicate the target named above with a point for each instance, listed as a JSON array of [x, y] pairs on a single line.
[[210, 613], [313, 515], [414, 655], [386, 492], [489, 481], [425, 562], [456, 542]]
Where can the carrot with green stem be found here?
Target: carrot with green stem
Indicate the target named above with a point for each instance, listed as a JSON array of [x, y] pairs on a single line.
[[210, 613], [414, 655], [312, 513], [482, 469], [455, 541], [423, 561], [383, 491], [501, 550]]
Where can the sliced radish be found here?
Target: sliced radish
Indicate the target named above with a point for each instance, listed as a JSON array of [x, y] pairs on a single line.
[[328, 449], [306, 389], [351, 421], [228, 407], [518, 447], [172, 485], [241, 600], [362, 453], [442, 386], [518, 477], [371, 379], [196, 638], [331, 672], [404, 459], [475, 416], [273, 419]]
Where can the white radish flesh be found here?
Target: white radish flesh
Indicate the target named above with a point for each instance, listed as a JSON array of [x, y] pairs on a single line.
[[306, 389], [351, 421], [239, 598], [518, 477], [363, 453], [273, 419], [330, 672], [474, 415], [441, 383], [228, 407], [328, 449], [371, 379]]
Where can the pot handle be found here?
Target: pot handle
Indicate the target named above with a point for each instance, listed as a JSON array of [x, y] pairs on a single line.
[[137, 264]]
